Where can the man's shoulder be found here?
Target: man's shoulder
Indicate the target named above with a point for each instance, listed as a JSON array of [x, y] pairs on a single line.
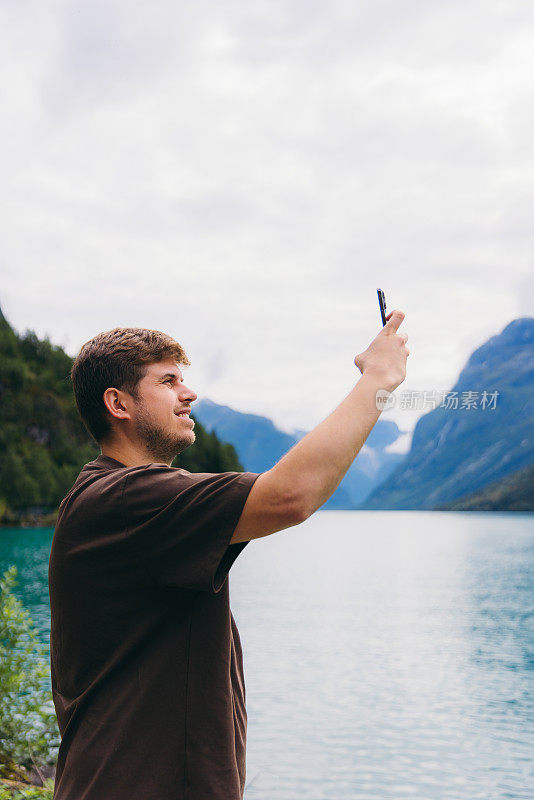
[[105, 484]]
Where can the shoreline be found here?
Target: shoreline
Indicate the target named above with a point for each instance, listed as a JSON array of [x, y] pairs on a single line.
[[30, 520]]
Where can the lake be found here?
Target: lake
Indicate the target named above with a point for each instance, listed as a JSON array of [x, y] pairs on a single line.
[[388, 655]]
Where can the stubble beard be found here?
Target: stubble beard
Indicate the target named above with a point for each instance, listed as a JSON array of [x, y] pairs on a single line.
[[161, 445]]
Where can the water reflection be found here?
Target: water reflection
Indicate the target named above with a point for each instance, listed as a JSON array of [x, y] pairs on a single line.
[[377, 629]]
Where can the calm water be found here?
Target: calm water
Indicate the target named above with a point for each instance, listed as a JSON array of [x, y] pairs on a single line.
[[388, 655]]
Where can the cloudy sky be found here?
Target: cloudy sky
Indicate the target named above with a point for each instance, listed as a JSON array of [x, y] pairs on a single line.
[[244, 176]]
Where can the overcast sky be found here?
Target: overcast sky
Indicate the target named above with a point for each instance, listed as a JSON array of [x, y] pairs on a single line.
[[244, 176]]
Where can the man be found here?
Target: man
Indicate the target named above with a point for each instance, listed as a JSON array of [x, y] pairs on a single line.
[[146, 660]]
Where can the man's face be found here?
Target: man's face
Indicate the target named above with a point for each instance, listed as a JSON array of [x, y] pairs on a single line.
[[160, 423]]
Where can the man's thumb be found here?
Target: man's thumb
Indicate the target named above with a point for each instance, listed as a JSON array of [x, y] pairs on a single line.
[[393, 321]]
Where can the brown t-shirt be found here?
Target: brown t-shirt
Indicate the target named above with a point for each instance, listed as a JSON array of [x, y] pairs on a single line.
[[146, 660]]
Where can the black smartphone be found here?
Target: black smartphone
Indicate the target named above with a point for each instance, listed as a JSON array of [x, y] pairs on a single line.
[[382, 304]]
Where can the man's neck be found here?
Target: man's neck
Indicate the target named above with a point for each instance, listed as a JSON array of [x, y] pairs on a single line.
[[128, 455]]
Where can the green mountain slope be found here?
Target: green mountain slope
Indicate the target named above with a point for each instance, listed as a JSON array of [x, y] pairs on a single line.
[[43, 442], [513, 493]]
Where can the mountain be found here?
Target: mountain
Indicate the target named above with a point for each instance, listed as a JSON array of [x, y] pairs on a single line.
[[260, 445], [513, 493], [458, 451], [43, 441]]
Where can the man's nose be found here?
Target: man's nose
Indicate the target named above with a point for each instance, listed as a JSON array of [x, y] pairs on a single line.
[[188, 393]]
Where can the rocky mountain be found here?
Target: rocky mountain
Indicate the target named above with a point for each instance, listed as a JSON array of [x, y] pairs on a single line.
[[483, 431]]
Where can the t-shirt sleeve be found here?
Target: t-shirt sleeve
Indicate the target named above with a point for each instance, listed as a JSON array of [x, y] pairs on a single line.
[[180, 523]]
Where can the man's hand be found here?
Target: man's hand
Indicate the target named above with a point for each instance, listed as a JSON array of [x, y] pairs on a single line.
[[386, 355]]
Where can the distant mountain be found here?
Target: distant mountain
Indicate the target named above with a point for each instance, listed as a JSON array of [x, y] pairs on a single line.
[[513, 493], [260, 445], [457, 451]]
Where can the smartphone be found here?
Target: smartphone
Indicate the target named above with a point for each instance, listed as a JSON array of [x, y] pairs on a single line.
[[382, 304]]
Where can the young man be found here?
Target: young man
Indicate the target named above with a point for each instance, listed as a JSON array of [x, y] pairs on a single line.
[[146, 660]]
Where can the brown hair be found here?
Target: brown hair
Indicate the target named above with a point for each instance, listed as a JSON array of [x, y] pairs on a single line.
[[117, 358]]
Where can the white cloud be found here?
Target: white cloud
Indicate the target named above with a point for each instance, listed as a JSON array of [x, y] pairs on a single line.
[[244, 177], [401, 445]]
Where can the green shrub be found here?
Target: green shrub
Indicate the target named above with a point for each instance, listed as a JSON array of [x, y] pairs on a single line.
[[29, 735], [45, 793]]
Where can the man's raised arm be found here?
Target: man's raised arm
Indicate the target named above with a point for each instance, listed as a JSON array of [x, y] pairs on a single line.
[[312, 470]]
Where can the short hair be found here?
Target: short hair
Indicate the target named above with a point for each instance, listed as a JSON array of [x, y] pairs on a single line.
[[117, 358]]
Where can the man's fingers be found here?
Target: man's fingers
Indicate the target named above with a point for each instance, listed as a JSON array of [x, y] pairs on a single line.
[[393, 321]]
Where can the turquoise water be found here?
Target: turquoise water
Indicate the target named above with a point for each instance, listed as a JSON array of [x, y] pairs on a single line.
[[388, 655]]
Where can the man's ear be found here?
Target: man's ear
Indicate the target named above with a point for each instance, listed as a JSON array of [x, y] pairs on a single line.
[[116, 403]]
